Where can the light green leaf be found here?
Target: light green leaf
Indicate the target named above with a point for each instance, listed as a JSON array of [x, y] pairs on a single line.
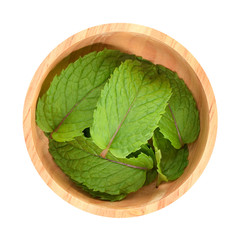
[[180, 123], [80, 161], [171, 162], [66, 109], [161, 176], [129, 108]]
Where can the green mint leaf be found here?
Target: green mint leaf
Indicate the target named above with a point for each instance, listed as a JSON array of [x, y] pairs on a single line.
[[129, 108], [161, 176], [151, 176], [147, 149], [142, 161], [103, 196], [80, 160], [66, 109], [171, 162], [180, 123]]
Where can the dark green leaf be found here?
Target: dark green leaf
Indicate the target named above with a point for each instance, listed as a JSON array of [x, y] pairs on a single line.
[[171, 161], [80, 160], [102, 195], [151, 176]]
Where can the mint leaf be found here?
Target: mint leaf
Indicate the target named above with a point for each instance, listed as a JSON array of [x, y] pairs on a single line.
[[180, 123], [103, 196], [66, 109], [171, 162], [161, 176], [151, 176], [147, 149], [142, 161], [80, 161], [129, 108]]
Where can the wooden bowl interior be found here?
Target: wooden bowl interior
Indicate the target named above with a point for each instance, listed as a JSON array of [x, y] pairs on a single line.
[[158, 53]]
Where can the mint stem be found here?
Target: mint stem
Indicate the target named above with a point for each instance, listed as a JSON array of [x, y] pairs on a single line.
[[122, 163]]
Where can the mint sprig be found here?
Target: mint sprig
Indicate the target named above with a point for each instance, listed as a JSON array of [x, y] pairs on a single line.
[[116, 122]]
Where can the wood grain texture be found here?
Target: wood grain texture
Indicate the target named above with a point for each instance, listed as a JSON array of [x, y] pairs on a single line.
[[156, 47]]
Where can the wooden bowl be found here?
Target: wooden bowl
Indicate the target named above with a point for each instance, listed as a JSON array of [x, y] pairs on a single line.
[[156, 47]]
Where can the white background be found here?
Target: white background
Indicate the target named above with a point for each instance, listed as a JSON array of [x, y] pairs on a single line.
[[211, 30]]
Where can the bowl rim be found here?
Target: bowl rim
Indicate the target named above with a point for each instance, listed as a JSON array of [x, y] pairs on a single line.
[[48, 63]]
